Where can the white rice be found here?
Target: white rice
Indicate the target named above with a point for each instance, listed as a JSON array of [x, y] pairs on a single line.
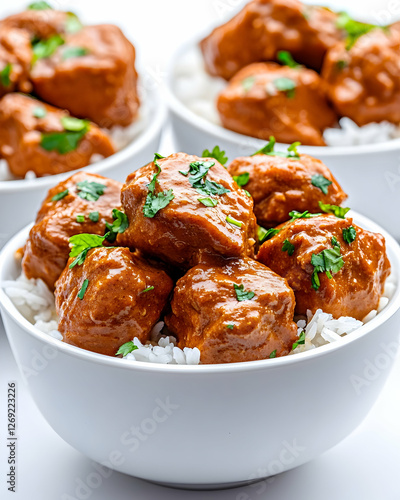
[[198, 91], [35, 302]]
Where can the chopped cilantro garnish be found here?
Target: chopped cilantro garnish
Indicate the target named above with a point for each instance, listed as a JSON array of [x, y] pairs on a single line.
[[288, 247], [286, 85], [354, 28], [264, 234], [60, 196], [286, 58], [248, 83], [148, 289], [46, 48], [300, 341], [72, 24], [329, 261], [247, 193], [39, 6], [80, 218], [341, 64], [242, 179], [83, 289], [230, 326], [340, 212], [321, 182], [198, 171], [70, 52], [73, 124], [294, 214], [208, 202], [81, 244], [5, 75], [91, 191], [120, 225], [217, 154], [268, 149], [273, 354], [94, 216], [349, 234], [242, 294], [155, 202], [126, 348], [64, 142], [39, 112], [233, 221]]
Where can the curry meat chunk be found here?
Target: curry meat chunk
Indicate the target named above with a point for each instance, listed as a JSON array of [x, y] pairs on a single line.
[[15, 60]]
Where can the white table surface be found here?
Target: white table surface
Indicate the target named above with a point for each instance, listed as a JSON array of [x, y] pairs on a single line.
[[365, 466]]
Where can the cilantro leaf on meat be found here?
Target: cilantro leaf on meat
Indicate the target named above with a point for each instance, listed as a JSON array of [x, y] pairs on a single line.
[[248, 83], [355, 29], [286, 85], [242, 294], [197, 172], [72, 24], [5, 73], [217, 154], [242, 179], [349, 234], [65, 142], [264, 234], [288, 247], [155, 202], [321, 182], [340, 212], [233, 221], [46, 48], [148, 289], [273, 354], [94, 216], [39, 112], [80, 218], [81, 244], [89, 190], [83, 289], [300, 341], [39, 6], [120, 225], [208, 202], [294, 214], [328, 261], [126, 348], [60, 196], [70, 52], [286, 58], [268, 149]]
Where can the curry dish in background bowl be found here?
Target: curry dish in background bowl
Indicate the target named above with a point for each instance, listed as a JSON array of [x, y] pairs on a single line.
[[194, 290]]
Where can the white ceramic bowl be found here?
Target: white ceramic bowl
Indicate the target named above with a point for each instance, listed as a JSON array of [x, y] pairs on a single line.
[[21, 199], [210, 425], [370, 174]]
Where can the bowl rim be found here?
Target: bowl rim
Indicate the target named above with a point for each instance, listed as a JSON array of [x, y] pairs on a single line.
[[7, 258], [156, 121], [176, 106]]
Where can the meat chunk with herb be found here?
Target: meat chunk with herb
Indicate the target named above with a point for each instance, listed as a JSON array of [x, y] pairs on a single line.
[[363, 77], [280, 182], [267, 99], [330, 263], [91, 73], [45, 140], [112, 297], [15, 60], [237, 310], [264, 27], [83, 203], [183, 208]]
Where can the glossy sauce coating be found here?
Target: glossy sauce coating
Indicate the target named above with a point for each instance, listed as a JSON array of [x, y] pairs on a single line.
[[252, 104], [99, 85], [15, 53], [354, 290], [364, 82], [47, 248], [279, 185], [264, 27], [186, 231], [21, 135], [206, 313], [115, 307]]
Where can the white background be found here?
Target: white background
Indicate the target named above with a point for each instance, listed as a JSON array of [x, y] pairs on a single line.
[[365, 466]]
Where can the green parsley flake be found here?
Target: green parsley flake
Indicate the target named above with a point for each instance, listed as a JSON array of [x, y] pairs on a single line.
[[65, 142], [294, 214], [230, 326], [339, 212], [80, 218], [329, 261], [341, 65], [354, 29], [90, 191], [72, 24], [5, 75], [264, 234], [39, 6], [286, 58], [81, 244], [233, 221], [73, 124], [120, 225], [148, 289], [70, 52], [198, 171], [248, 83], [286, 85], [217, 154], [273, 354], [288, 247], [60, 196], [300, 341], [268, 149], [82, 291], [242, 179], [349, 234], [208, 202], [94, 216], [321, 182], [39, 112], [242, 294], [126, 348], [46, 48], [155, 202]]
